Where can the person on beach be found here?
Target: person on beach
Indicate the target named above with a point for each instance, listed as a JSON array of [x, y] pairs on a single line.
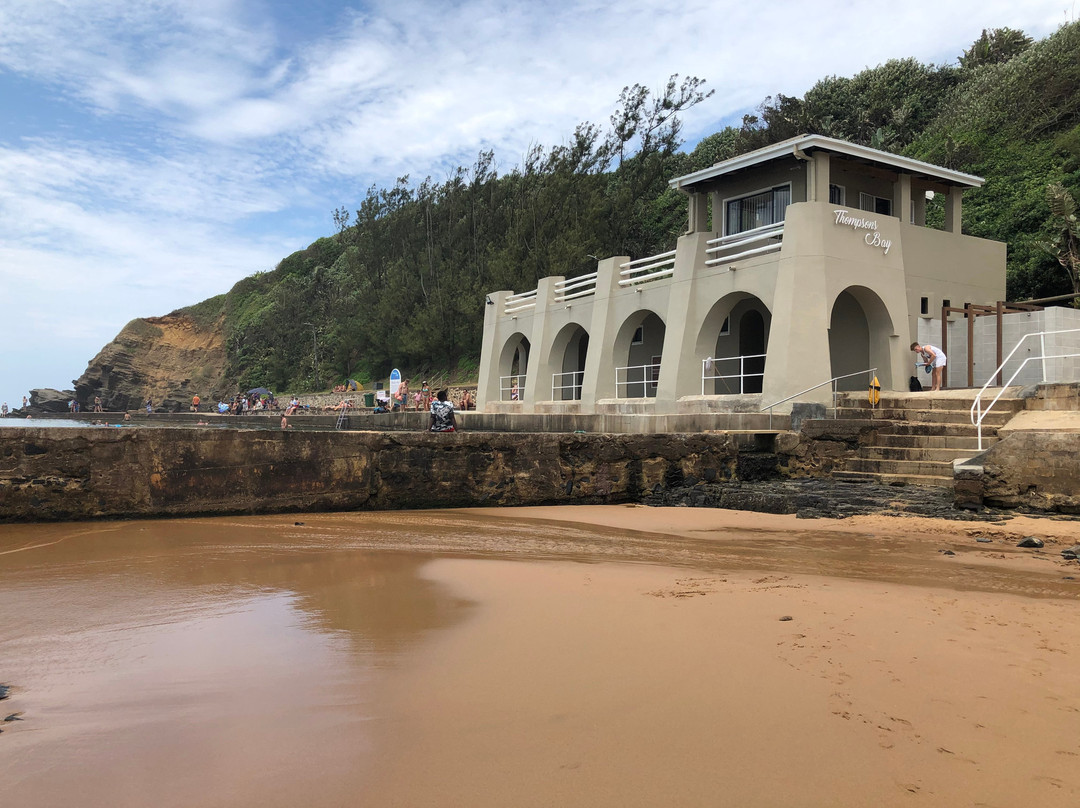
[[284, 422], [149, 406], [442, 414], [97, 404], [933, 358], [425, 395], [195, 402], [24, 402], [3, 410]]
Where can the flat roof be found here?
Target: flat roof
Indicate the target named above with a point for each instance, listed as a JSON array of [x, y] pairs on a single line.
[[806, 143]]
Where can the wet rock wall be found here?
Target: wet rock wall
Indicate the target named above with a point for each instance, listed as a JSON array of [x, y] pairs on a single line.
[[49, 474]]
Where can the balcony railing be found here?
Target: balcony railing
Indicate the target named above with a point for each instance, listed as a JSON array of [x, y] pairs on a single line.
[[645, 270], [576, 287], [728, 249]]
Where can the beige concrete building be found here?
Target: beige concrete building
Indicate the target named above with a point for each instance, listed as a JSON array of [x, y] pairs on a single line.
[[803, 262]]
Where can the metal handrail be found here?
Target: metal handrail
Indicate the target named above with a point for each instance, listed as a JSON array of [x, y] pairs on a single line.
[[644, 381], [742, 374], [577, 379], [832, 381], [503, 388], [978, 414]]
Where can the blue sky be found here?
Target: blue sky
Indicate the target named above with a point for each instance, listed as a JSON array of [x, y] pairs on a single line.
[[154, 152]]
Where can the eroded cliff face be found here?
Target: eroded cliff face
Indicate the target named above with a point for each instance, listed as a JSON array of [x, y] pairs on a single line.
[[167, 359]]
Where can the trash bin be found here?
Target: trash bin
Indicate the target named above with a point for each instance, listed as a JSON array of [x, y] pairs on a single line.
[[369, 399]]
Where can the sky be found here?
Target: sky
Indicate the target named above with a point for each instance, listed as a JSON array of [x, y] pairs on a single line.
[[154, 152]]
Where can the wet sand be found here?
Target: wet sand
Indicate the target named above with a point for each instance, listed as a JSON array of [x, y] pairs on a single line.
[[600, 656]]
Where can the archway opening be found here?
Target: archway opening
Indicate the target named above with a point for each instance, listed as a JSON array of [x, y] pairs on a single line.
[[859, 339], [642, 336], [513, 368], [731, 346]]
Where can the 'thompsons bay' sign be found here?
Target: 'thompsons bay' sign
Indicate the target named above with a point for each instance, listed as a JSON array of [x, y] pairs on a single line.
[[872, 238]]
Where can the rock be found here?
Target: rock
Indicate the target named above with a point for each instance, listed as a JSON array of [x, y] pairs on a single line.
[[14, 717], [4, 690], [168, 359], [786, 617], [1071, 552], [947, 552], [49, 400], [984, 540], [1031, 541]]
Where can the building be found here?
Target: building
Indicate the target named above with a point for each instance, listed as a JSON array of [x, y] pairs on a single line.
[[804, 262]]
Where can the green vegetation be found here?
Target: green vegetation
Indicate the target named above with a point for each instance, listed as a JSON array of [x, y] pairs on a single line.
[[402, 280]]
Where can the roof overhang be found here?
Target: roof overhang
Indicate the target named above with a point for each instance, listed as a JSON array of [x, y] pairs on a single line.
[[802, 145]]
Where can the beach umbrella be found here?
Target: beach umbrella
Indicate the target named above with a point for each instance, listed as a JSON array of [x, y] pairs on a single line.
[[259, 391]]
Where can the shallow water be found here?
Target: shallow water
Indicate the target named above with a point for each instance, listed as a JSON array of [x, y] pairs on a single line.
[[266, 661]]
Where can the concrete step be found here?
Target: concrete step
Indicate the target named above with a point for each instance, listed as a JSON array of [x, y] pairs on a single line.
[[959, 443], [994, 418], [952, 430], [945, 454], [895, 479], [950, 400], [910, 467]]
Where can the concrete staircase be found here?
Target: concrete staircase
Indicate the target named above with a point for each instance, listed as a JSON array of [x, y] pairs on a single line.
[[920, 435]]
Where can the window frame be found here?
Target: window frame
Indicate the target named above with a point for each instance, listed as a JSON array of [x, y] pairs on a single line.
[[769, 188]]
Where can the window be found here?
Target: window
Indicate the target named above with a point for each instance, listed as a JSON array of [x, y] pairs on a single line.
[[639, 336], [725, 328], [756, 210], [876, 204], [837, 195], [924, 305]]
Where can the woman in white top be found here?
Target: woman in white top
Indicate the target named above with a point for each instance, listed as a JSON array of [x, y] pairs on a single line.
[[935, 359]]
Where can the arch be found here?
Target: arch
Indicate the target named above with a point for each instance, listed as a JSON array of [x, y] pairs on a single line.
[[734, 334], [639, 345], [860, 331], [568, 352], [513, 367]]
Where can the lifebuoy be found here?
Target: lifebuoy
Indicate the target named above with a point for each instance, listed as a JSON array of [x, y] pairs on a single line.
[[875, 392]]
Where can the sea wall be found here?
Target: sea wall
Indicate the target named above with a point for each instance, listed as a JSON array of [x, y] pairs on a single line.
[[77, 473]]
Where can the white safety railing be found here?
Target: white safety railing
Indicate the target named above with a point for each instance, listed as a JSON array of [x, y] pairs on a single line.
[[570, 380], [739, 243], [644, 270], [511, 388], [710, 366], [649, 376], [520, 302], [978, 414], [573, 289], [871, 373]]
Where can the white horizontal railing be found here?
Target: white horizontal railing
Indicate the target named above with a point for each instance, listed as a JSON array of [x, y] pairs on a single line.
[[511, 388], [644, 270], [520, 302], [585, 286], [646, 381], [709, 367], [570, 380], [978, 414], [774, 233], [871, 374]]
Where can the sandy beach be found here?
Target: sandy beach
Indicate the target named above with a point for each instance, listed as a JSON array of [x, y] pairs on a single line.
[[594, 656]]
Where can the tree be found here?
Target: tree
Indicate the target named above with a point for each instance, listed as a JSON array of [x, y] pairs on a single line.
[[1066, 246], [996, 46]]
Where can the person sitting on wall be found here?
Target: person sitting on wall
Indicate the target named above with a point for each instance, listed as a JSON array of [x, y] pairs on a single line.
[[442, 414], [934, 359], [467, 401]]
